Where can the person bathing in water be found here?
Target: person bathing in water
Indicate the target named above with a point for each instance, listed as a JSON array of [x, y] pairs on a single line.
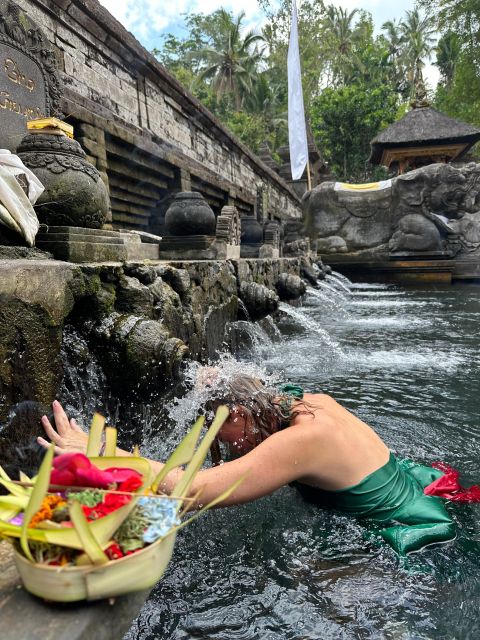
[[331, 456]]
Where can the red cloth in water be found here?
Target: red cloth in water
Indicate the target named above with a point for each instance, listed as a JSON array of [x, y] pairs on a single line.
[[448, 486]]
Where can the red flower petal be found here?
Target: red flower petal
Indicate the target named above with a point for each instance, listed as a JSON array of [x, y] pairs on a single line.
[[114, 552], [94, 477], [71, 461], [62, 477], [132, 483]]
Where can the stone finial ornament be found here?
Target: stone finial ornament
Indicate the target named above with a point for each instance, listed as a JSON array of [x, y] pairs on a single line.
[[420, 100], [228, 226], [190, 215], [227, 235]]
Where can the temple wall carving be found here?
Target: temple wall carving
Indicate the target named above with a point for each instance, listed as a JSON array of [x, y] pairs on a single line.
[[432, 211]]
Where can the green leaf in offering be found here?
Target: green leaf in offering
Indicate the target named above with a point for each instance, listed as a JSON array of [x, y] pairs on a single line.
[[89, 542], [95, 435], [10, 506], [15, 489], [8, 530], [223, 496], [182, 454], [110, 441], [38, 493], [24, 478], [183, 485]]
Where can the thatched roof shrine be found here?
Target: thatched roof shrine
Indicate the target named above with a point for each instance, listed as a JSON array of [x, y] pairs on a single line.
[[421, 137]]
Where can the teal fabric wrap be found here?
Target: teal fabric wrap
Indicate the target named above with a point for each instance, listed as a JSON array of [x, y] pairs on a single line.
[[393, 494], [292, 390]]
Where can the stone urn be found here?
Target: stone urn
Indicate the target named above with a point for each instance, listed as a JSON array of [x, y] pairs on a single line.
[[190, 215], [273, 227], [75, 195], [252, 232]]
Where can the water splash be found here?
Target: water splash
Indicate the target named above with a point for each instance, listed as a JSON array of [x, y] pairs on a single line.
[[342, 278], [327, 301], [84, 384], [395, 303], [248, 339], [311, 326], [410, 360], [270, 328], [243, 309], [339, 285], [333, 290], [321, 295], [369, 285], [205, 382], [389, 322], [377, 293]]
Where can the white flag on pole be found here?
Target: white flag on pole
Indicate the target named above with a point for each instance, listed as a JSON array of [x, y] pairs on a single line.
[[297, 132]]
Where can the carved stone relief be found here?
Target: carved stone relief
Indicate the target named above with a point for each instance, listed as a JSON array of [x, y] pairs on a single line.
[[432, 210], [29, 83]]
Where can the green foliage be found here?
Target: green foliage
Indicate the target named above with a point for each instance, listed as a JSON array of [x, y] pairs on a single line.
[[353, 81], [458, 57], [448, 54], [461, 97], [461, 17], [345, 120]]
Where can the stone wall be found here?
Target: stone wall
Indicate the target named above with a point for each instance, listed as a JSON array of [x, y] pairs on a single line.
[[146, 135], [139, 320]]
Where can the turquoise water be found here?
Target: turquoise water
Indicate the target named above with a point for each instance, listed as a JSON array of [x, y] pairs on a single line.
[[407, 362]]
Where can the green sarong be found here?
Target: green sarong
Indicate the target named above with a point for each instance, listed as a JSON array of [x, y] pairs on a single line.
[[393, 494]]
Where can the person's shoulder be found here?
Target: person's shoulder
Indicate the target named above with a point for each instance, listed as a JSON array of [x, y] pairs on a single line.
[[320, 400]]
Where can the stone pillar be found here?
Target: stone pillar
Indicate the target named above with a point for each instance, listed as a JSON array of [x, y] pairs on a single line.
[[262, 204], [185, 180]]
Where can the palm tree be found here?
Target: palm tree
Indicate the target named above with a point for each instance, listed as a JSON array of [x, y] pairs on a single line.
[[393, 38], [267, 100], [343, 35], [418, 43], [231, 66], [340, 23], [395, 46], [448, 53]]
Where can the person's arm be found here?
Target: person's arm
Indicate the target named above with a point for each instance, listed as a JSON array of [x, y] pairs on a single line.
[[283, 457]]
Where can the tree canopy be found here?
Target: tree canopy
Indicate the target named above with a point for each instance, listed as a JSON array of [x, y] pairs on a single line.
[[355, 80]]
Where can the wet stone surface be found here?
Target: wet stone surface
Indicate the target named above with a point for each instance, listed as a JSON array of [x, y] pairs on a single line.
[[24, 616]]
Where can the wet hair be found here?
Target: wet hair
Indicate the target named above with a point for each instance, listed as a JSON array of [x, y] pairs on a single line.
[[265, 409]]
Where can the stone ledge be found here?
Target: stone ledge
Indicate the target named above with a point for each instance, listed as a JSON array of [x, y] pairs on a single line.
[[26, 617]]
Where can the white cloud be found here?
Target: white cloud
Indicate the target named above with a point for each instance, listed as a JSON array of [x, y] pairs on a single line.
[[147, 18]]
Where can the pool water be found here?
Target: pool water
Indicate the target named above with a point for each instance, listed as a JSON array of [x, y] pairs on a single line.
[[405, 361]]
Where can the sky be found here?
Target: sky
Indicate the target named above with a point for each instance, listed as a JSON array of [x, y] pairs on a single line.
[[149, 19]]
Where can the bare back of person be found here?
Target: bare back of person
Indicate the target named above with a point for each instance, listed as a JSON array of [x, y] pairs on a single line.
[[345, 448]]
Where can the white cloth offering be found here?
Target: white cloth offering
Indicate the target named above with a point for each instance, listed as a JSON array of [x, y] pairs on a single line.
[[16, 208]]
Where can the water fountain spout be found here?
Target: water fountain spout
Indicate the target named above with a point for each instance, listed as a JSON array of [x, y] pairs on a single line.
[[311, 326]]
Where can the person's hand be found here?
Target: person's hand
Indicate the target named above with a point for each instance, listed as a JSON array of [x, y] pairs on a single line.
[[68, 436]]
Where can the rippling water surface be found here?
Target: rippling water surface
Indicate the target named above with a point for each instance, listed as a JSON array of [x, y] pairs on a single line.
[[407, 362]]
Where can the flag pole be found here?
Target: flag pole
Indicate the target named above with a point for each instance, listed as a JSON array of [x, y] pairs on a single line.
[[309, 179]]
